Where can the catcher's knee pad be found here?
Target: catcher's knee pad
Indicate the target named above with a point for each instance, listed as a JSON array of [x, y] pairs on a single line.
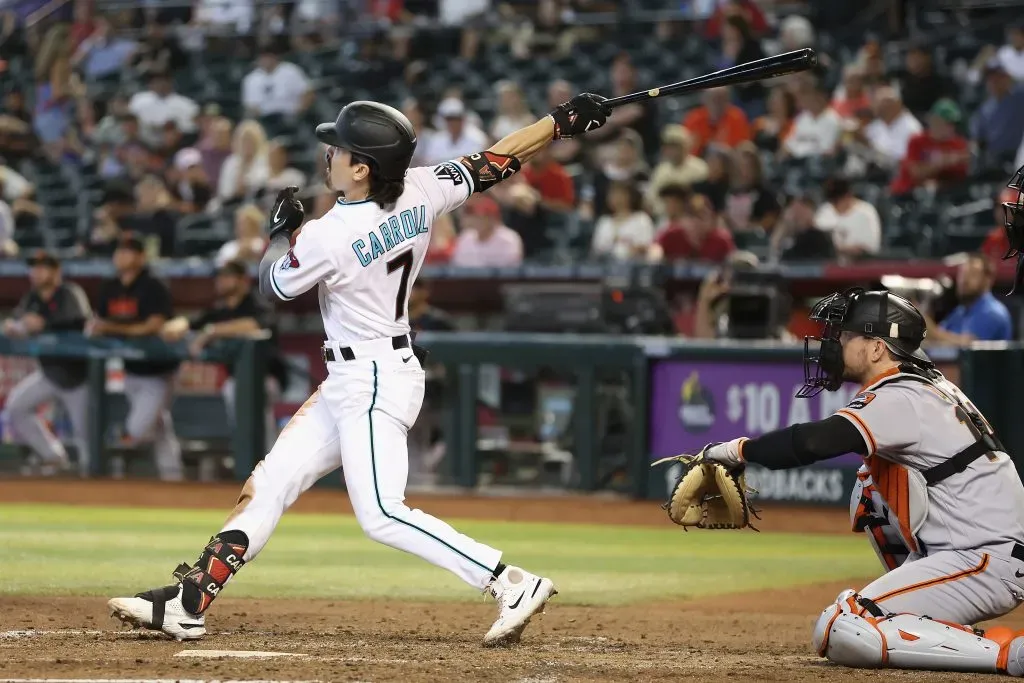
[[845, 603], [907, 641]]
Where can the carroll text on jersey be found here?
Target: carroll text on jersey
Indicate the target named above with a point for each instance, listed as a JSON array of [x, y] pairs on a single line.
[[391, 233]]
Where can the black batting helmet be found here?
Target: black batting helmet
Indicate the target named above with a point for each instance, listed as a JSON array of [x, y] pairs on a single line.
[[376, 131], [879, 314]]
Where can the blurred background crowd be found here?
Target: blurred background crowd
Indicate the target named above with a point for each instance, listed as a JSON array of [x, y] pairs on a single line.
[[178, 122]]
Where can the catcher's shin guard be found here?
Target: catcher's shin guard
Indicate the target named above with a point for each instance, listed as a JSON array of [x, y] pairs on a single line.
[[907, 641], [219, 561]]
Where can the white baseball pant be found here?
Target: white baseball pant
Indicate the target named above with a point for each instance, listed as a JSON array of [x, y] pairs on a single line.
[[22, 404], [149, 421], [359, 420]]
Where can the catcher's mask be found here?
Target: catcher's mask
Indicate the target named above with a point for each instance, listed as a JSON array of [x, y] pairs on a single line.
[[878, 314], [1013, 222]]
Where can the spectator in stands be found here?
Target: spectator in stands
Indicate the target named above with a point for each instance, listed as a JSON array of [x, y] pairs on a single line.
[[937, 157], [239, 312], [796, 32], [774, 127], [413, 110], [108, 131], [996, 245], [625, 232], [564, 151], [739, 45], [458, 137], [155, 219], [422, 316], [104, 54], [18, 193], [159, 105], [171, 141], [816, 129], [851, 99], [695, 231], [276, 88], [83, 22], [442, 241], [550, 179], [188, 182], [51, 305], [131, 158], [1010, 56], [54, 96], [716, 185], [796, 237], [218, 17], [626, 165], [135, 304], [17, 139], [998, 126], [890, 133], [484, 241], [250, 242], [855, 225], [920, 86], [641, 117], [217, 147], [8, 247], [281, 174], [749, 10], [750, 204], [117, 203], [677, 166], [159, 52], [717, 121], [513, 112], [246, 170], [979, 315]]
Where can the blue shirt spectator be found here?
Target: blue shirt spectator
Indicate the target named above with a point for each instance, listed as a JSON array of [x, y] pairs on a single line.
[[980, 316], [998, 125], [103, 54]]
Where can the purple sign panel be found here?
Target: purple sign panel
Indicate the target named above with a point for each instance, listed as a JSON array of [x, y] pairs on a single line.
[[694, 403]]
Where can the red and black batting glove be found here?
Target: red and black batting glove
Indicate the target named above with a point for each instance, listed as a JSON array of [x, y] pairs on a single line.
[[583, 113], [287, 214]]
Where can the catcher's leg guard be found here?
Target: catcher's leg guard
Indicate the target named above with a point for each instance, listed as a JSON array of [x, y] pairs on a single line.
[[907, 641]]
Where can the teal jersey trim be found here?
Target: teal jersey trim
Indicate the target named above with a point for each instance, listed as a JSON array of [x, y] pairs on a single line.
[[376, 489]]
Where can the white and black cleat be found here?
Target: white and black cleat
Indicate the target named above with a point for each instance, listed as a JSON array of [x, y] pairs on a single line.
[[519, 595], [159, 609]]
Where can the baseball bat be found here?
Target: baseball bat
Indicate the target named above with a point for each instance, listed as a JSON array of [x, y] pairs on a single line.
[[757, 70]]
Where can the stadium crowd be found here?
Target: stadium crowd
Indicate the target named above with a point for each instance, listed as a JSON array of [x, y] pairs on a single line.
[[807, 167]]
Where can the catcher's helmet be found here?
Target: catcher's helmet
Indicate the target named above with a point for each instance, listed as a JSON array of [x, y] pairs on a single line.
[[374, 130], [879, 314], [1013, 221]]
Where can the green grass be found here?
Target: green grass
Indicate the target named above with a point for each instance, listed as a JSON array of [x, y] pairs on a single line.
[[64, 550]]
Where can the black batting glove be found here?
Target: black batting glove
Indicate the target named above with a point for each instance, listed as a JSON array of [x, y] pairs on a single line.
[[581, 114], [288, 214]]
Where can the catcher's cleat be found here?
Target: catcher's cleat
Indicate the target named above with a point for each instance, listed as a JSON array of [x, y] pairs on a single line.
[[160, 609], [519, 595]]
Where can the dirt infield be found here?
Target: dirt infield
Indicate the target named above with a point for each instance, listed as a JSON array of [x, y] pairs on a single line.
[[748, 637]]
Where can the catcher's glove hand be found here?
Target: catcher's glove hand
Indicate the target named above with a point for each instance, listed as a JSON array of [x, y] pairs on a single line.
[[710, 496]]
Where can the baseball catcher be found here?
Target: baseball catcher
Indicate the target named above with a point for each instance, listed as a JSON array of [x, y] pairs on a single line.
[[938, 498]]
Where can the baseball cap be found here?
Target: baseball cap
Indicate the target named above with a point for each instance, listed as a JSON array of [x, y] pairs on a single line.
[[483, 206], [130, 240], [994, 66], [947, 110], [41, 257], [187, 158], [233, 267], [451, 108]]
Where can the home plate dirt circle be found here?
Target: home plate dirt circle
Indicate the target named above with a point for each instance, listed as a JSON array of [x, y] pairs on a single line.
[[237, 654]]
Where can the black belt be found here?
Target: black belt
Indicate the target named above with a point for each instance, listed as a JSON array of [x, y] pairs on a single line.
[[1018, 552], [399, 342]]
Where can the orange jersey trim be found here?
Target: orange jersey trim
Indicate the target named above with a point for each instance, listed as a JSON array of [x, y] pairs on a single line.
[[872, 444]]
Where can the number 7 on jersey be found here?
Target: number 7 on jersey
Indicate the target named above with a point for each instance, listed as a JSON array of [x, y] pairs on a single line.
[[403, 261]]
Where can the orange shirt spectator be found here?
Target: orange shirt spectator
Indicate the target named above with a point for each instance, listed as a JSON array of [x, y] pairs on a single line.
[[717, 121], [938, 155], [550, 179]]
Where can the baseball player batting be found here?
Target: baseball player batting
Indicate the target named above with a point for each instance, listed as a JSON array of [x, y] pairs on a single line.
[[938, 498], [363, 256]]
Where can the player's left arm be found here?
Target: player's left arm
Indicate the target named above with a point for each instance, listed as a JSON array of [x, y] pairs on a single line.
[[794, 446], [287, 271], [505, 158]]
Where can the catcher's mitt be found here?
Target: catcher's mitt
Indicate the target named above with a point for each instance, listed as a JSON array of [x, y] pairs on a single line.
[[709, 496]]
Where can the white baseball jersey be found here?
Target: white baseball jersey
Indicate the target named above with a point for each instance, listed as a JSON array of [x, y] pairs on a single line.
[[365, 259], [912, 423]]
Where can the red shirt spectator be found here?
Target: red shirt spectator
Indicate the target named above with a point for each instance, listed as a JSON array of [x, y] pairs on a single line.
[[551, 180], [698, 235], [747, 9], [938, 155]]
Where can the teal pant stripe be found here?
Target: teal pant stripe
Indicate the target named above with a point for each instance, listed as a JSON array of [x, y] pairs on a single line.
[[376, 490]]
